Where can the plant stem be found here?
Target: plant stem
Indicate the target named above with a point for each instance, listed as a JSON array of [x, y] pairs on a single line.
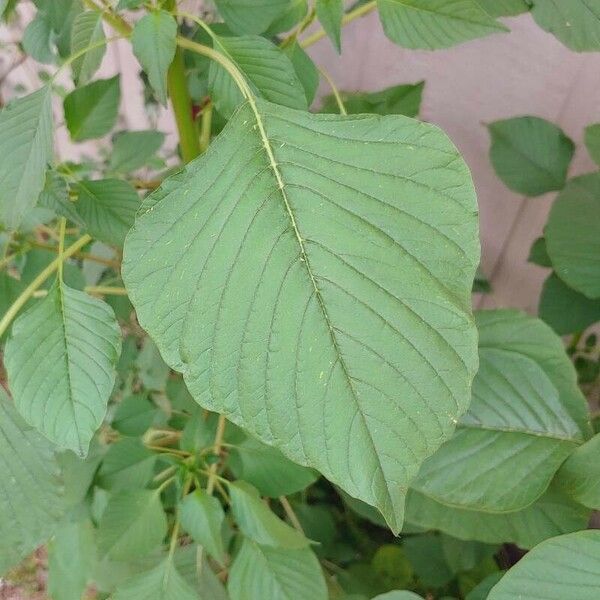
[[206, 125], [39, 280], [291, 515], [336, 93], [115, 21], [212, 471], [61, 247]]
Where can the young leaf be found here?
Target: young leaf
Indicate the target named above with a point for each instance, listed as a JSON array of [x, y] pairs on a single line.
[[87, 31], [573, 235], [268, 470], [566, 310], [154, 45], [257, 522], [26, 149], [161, 583], [504, 8], [563, 567], [127, 464], [260, 572], [553, 514], [108, 208], [342, 252], [61, 361], [132, 524], [91, 111], [433, 24], [575, 23], [579, 476], [202, 517], [31, 491], [521, 424], [133, 149], [330, 13], [530, 155], [396, 100], [249, 17], [270, 72]]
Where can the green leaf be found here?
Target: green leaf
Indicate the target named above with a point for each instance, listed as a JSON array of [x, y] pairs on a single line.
[[553, 514], [133, 149], [580, 474], [260, 572], [504, 8], [78, 473], [37, 39], [87, 31], [433, 24], [127, 464], [268, 470], [10, 290], [39, 258], [132, 524], [108, 208], [330, 13], [250, 17], [566, 310], [391, 565], [573, 234], [305, 68], [152, 368], [127, 4], [55, 196], [202, 517], [161, 583], [61, 361], [396, 100], [71, 556], [257, 522], [530, 155], [31, 491], [482, 589], [154, 45], [398, 595], [561, 568], [134, 415], [26, 149], [426, 555], [575, 23], [91, 110], [347, 354], [538, 254], [269, 71], [592, 141], [519, 427]]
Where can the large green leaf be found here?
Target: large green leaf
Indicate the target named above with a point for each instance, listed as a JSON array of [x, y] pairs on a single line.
[[553, 514], [504, 8], [310, 275], [31, 504], [61, 360], [579, 476], [260, 572], [530, 155], [154, 44], [573, 235], [563, 568], [108, 208], [91, 110], [87, 31], [26, 149], [251, 16], [576, 23], [269, 70], [433, 24], [518, 429]]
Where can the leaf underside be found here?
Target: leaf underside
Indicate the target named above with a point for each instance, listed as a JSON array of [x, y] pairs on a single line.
[[310, 276]]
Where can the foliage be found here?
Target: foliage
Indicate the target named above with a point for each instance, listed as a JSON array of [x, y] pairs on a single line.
[[248, 368]]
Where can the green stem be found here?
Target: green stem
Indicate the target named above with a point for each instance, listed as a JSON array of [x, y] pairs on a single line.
[[206, 126], [336, 93]]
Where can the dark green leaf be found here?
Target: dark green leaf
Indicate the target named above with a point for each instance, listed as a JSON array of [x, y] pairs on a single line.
[[504, 8], [538, 255], [427, 557], [134, 415], [592, 141], [127, 464]]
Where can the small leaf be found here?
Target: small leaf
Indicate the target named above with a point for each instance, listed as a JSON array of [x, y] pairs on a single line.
[[55, 196], [91, 111], [87, 31], [127, 464], [154, 45], [257, 522], [261, 572], [329, 13], [305, 68], [592, 141], [134, 415], [530, 155], [561, 568], [573, 235], [26, 149], [504, 8], [202, 517], [152, 368], [132, 524], [31, 491], [426, 555], [538, 254], [38, 37], [244, 17], [133, 149], [61, 361], [108, 208], [433, 24]]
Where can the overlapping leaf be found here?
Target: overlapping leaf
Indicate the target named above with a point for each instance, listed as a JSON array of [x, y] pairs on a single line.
[[251, 16], [310, 276]]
